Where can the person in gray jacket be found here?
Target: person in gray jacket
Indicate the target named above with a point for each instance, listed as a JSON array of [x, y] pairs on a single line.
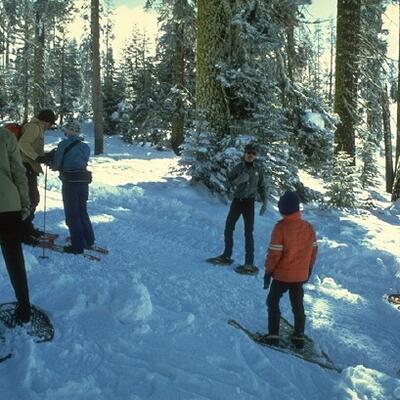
[[247, 178], [14, 207]]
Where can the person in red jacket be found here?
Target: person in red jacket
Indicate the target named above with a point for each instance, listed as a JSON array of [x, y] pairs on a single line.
[[290, 259]]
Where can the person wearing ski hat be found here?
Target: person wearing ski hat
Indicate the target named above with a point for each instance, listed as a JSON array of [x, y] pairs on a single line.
[[290, 259], [71, 159], [14, 207], [247, 179], [31, 145]]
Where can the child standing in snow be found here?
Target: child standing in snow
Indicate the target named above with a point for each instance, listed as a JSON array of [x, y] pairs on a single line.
[[71, 160], [290, 259]]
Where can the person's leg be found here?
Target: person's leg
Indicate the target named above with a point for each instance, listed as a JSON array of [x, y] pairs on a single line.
[[70, 196], [296, 294], [231, 219], [276, 291], [248, 217], [88, 233], [34, 198], [10, 238]]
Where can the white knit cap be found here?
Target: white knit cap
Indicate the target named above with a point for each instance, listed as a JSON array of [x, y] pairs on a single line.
[[72, 128]]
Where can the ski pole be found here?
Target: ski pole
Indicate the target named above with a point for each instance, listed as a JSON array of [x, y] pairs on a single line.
[[44, 209]]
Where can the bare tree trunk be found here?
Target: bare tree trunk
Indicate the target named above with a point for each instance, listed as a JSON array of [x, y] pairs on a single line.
[[398, 105], [62, 78], [178, 119], [213, 24], [38, 68], [347, 47], [96, 80], [396, 185], [331, 44], [388, 141]]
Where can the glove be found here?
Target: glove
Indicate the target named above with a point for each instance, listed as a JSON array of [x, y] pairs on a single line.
[[25, 213], [41, 159], [267, 280], [263, 208], [242, 178], [46, 158]]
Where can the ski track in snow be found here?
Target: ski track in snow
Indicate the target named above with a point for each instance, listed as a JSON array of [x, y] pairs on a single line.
[[149, 321]]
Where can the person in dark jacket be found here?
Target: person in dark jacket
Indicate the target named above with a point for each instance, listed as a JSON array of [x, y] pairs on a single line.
[[290, 259], [31, 145], [71, 159], [247, 178], [14, 206]]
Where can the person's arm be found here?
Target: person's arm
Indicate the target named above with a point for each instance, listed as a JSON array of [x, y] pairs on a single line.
[[314, 252], [58, 156], [30, 135], [18, 172], [262, 186], [275, 250], [262, 190]]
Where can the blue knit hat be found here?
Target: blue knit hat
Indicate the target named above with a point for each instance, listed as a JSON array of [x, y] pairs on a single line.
[[289, 203]]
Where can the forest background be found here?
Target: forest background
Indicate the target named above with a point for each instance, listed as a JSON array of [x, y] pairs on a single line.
[[206, 77]]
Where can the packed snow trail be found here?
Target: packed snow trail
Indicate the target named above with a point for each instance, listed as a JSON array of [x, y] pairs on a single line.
[[150, 320]]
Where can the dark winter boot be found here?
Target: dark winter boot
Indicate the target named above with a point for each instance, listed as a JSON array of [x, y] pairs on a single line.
[[297, 340], [72, 250], [270, 339], [247, 269], [220, 260], [22, 314]]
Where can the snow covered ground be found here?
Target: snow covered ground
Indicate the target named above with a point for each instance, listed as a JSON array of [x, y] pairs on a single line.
[[149, 321]]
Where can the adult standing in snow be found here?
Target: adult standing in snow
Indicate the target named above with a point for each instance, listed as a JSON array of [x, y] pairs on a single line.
[[31, 145], [71, 159], [247, 178], [290, 259], [14, 206]]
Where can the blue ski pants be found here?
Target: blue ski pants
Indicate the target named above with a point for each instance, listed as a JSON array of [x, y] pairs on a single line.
[[75, 196]]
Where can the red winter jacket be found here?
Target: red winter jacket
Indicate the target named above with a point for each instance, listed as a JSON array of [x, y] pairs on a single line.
[[292, 251]]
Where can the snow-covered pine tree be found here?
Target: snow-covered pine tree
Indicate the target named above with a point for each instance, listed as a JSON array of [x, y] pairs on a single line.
[[84, 60], [64, 75], [368, 156], [258, 82], [113, 87], [141, 89], [174, 66], [343, 182], [113, 93], [373, 55]]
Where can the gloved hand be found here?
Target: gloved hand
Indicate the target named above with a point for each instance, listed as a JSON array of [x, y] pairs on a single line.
[[242, 178], [263, 208], [46, 158], [267, 280], [25, 213]]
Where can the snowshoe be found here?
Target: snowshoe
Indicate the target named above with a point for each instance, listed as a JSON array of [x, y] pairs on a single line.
[[247, 269], [394, 298], [220, 260], [39, 325]]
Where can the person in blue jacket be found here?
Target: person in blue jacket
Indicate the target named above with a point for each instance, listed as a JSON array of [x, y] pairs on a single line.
[[71, 159]]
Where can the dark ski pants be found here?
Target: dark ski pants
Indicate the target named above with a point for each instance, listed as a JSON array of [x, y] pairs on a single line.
[[34, 198], [244, 207], [75, 196], [296, 294], [10, 239]]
